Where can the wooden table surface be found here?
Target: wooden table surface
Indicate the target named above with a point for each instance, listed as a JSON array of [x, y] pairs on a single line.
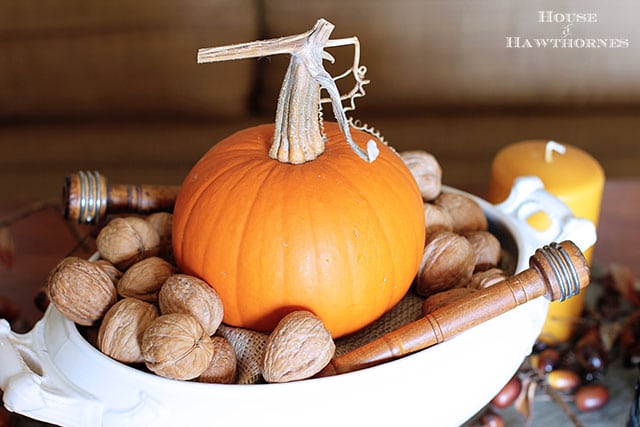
[[43, 239]]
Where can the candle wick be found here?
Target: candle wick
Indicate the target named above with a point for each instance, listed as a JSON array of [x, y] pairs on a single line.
[[550, 148]]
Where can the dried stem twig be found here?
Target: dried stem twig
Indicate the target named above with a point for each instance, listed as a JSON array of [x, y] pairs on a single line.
[[554, 395]]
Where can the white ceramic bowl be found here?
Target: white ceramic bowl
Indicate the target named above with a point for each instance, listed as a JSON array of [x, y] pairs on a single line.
[[53, 374]]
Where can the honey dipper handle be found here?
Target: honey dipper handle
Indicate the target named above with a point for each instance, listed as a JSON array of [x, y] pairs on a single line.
[[88, 198], [558, 271]]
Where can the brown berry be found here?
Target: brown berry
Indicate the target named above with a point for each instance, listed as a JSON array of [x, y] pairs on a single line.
[[491, 419], [591, 353], [548, 360], [591, 397], [563, 379], [508, 394]]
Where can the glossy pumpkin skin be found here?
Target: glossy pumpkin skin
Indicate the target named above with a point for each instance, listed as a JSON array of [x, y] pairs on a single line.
[[338, 236]]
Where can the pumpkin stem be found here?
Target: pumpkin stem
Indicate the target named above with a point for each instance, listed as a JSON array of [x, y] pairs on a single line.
[[297, 136]]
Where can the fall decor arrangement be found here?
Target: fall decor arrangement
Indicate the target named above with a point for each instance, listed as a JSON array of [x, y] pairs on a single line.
[[285, 238]]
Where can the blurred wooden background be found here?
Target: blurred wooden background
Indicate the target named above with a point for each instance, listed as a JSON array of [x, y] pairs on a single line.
[[115, 86]]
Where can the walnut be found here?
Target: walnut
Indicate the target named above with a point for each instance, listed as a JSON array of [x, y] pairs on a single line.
[[223, 366], [437, 218], [425, 170], [484, 279], [110, 269], [122, 327], [81, 290], [144, 279], [443, 298], [176, 346], [467, 215], [182, 293], [299, 347], [487, 248], [162, 222], [448, 261], [125, 241]]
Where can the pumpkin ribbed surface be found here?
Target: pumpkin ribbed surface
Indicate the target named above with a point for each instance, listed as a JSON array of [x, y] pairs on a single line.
[[337, 236]]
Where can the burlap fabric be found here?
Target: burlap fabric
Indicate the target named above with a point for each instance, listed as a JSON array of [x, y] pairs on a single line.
[[249, 345]]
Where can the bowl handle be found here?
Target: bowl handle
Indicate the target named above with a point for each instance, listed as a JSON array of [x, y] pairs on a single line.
[[32, 387], [528, 197]]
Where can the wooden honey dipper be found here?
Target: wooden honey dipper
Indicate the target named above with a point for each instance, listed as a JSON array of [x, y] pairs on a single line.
[[88, 198], [557, 272]]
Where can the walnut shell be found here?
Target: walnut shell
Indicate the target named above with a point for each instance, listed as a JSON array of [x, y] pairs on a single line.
[[485, 278], [437, 218], [467, 215], [182, 293], [425, 170], [81, 290], [176, 346], [487, 248], [443, 298], [448, 261], [144, 279], [110, 269], [223, 366], [162, 222], [121, 329], [299, 347], [125, 241]]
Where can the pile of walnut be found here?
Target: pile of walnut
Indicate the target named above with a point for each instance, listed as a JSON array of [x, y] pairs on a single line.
[[460, 255], [146, 311], [147, 314]]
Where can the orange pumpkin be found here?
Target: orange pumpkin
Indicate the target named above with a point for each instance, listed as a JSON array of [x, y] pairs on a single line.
[[336, 235]]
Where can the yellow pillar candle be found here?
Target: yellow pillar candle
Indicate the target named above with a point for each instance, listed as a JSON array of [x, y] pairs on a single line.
[[574, 177]]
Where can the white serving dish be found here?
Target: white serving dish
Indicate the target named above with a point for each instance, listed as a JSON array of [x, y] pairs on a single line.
[[53, 374]]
